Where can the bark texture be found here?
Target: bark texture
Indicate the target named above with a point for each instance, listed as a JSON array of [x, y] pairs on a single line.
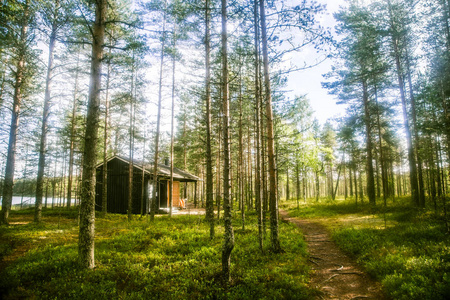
[[87, 205], [258, 198], [155, 204], [273, 204], [228, 238], [46, 112], [209, 173]]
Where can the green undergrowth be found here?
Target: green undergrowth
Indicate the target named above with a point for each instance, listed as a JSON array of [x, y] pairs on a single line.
[[167, 259], [407, 249]]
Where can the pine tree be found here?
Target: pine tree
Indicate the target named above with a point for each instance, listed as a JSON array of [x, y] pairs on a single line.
[[87, 205]]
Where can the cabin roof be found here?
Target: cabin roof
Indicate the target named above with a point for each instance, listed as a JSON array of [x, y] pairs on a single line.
[[163, 170]]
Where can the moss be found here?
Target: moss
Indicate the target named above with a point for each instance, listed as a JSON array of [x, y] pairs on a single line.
[[171, 258]]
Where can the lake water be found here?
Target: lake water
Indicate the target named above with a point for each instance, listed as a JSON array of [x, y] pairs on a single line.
[[27, 201]]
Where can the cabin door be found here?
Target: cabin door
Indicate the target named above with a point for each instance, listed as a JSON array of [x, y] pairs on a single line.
[[162, 194]]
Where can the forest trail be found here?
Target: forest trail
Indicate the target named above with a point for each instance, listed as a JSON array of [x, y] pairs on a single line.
[[335, 274]]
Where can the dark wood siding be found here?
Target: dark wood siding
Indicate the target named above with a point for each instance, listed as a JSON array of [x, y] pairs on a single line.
[[118, 188]]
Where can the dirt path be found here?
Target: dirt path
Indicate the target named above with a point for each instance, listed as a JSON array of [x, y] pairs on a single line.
[[335, 274]]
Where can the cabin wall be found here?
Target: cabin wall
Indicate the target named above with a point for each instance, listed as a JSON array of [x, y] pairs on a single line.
[[118, 188]]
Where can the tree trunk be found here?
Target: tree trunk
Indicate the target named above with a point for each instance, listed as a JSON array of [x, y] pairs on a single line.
[[46, 112], [72, 135], [87, 206], [361, 191], [345, 179], [263, 160], [411, 157], [350, 180], [105, 137], [131, 153], [249, 166], [380, 145], [209, 169], [438, 169], [2, 85], [172, 126], [155, 204], [258, 198], [240, 166], [356, 184], [287, 183], [377, 174], [270, 138], [297, 175], [317, 186], [228, 238], [416, 135], [8, 182], [304, 187], [370, 178], [144, 208], [218, 172]]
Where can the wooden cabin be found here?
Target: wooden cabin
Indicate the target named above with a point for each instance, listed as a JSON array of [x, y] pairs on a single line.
[[118, 182]]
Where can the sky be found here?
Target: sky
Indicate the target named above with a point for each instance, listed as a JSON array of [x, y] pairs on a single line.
[[308, 82]]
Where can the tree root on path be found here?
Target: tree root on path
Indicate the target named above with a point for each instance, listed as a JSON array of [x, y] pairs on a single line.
[[332, 276]]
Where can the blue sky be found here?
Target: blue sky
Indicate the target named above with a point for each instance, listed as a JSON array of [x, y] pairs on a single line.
[[309, 81]]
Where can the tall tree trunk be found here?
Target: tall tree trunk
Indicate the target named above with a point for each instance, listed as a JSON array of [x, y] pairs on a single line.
[[155, 204], [377, 174], [416, 134], [356, 183], [132, 134], [172, 125], [228, 238], [317, 173], [297, 175], [258, 198], [218, 171], [411, 156], [345, 179], [87, 205], [350, 180], [361, 190], [45, 115], [105, 138], [438, 169], [72, 134], [249, 166], [209, 169], [287, 183], [8, 182], [3, 82], [330, 180], [380, 145], [240, 166], [273, 204], [131, 150], [144, 208], [263, 160], [432, 173], [185, 153]]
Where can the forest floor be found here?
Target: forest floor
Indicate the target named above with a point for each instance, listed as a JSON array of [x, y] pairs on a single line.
[[332, 250], [335, 274]]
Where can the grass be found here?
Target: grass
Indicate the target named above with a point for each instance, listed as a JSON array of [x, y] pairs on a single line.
[[171, 258], [405, 248]]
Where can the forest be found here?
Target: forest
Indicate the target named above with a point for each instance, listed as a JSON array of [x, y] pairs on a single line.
[[205, 85]]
